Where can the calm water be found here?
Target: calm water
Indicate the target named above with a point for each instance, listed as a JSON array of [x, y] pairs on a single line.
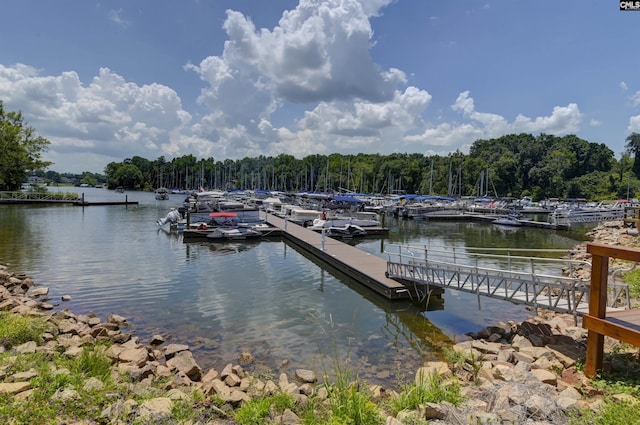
[[263, 297]]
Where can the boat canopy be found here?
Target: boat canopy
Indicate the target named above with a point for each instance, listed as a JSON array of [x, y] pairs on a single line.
[[348, 199], [223, 214]]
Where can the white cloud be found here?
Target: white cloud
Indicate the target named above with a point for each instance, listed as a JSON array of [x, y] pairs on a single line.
[[623, 86], [634, 124], [635, 99], [563, 120], [317, 58], [110, 116], [116, 17]]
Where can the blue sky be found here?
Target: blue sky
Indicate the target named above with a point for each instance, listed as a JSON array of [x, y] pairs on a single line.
[[108, 80]]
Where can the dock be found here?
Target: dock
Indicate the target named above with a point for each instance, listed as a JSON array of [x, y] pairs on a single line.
[[486, 217], [27, 198], [368, 269], [88, 204]]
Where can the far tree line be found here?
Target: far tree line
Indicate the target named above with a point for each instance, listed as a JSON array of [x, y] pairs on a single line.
[[514, 165]]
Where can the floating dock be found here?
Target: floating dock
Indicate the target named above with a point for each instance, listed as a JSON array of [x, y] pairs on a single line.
[[368, 269]]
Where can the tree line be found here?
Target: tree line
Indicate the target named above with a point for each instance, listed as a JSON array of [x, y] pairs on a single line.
[[514, 165]]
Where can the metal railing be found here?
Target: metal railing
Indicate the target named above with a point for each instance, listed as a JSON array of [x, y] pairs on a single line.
[[536, 277], [26, 196]]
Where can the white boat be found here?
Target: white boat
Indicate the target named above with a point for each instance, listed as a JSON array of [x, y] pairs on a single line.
[[605, 211], [347, 231], [172, 217], [507, 220], [234, 233], [361, 219], [162, 194]]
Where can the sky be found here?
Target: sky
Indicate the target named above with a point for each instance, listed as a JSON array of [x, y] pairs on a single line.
[[226, 79]]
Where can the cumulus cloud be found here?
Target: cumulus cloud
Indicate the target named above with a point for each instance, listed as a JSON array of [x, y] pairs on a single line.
[[563, 120], [317, 59], [109, 116], [635, 99]]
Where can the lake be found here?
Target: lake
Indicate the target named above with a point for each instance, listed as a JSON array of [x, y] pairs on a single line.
[[265, 297]]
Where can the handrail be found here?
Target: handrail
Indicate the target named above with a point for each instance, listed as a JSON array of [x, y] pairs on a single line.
[[595, 321], [38, 196]]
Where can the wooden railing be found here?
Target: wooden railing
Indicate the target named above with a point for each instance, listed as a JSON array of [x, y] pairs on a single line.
[[623, 325]]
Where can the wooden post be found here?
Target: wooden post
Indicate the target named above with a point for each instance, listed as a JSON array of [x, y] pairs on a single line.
[[597, 308]]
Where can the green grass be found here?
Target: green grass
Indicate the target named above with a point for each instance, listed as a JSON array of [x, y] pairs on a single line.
[[623, 378], [432, 389], [17, 329], [633, 279], [257, 410], [610, 413]]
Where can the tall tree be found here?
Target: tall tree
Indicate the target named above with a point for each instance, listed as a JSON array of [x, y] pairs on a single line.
[[633, 146], [20, 150]]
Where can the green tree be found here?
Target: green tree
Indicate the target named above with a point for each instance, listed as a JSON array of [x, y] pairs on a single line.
[[129, 176], [633, 146], [20, 150]]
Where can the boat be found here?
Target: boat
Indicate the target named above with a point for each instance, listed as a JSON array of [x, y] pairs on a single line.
[[162, 194], [345, 232], [507, 220], [361, 219], [576, 213], [172, 217], [234, 233]]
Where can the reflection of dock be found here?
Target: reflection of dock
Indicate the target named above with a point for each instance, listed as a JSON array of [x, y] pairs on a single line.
[[365, 268]]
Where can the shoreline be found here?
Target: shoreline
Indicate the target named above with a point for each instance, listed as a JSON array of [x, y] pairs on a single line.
[[538, 356]]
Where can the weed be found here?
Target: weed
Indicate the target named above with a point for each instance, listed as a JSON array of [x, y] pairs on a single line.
[[18, 329], [633, 279], [256, 410], [610, 413], [431, 389]]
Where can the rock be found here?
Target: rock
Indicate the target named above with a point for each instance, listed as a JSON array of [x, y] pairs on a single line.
[[137, 356], [93, 384], [306, 375], [544, 376], [14, 387], [184, 362], [289, 418], [26, 348], [114, 318], [431, 369], [156, 408], [157, 340], [38, 292], [172, 349]]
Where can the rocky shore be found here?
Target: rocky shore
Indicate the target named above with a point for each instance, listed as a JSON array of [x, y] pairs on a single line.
[[515, 373]]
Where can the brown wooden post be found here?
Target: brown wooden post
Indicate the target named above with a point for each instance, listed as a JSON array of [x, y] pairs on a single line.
[[597, 308]]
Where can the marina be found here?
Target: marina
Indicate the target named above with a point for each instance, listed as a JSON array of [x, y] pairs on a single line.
[[270, 296]]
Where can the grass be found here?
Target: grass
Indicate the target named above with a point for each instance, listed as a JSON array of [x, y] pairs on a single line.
[[623, 378], [611, 412], [431, 389], [257, 410], [18, 329], [633, 279]]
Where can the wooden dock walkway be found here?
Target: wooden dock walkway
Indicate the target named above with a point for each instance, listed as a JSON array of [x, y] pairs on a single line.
[[366, 268]]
